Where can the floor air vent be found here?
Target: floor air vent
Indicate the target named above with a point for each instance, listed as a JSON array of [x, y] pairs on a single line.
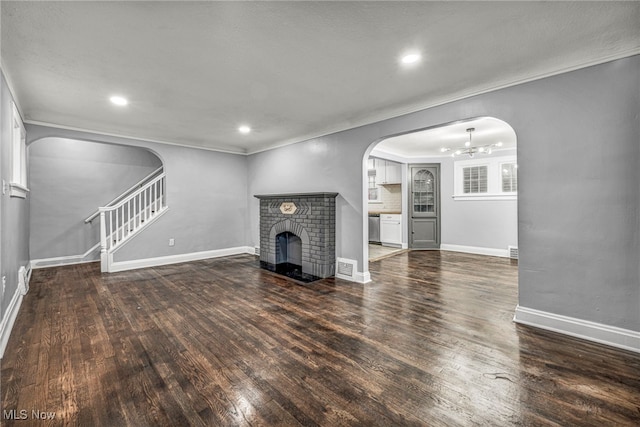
[[346, 268], [513, 252]]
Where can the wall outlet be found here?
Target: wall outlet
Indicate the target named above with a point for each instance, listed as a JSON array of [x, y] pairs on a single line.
[[172, 242]]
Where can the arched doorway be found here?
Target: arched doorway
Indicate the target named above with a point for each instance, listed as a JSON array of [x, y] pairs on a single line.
[[69, 179], [469, 204]]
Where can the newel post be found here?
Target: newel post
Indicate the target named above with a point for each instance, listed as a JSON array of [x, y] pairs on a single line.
[[103, 243]]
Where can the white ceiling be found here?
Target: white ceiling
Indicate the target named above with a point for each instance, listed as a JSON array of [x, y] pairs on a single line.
[[194, 71], [428, 142]]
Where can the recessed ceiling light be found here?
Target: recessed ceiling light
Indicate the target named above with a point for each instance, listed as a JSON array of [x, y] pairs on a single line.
[[244, 129], [119, 100], [411, 58]]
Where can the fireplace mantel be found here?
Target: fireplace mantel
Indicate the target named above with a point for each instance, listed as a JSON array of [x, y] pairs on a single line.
[[294, 195]]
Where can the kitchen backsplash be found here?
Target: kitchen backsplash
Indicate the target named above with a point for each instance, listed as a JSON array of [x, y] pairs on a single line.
[[391, 198]]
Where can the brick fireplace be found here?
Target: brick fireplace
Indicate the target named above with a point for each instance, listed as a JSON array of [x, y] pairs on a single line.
[[297, 234]]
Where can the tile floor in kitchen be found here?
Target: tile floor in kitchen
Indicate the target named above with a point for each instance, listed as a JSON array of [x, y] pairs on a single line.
[[377, 252]]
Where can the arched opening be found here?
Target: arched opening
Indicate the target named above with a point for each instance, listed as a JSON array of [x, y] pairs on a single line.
[[69, 180], [454, 188]]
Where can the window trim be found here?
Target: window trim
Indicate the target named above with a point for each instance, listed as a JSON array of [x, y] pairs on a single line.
[[18, 183], [371, 175], [502, 165], [478, 180], [494, 178]]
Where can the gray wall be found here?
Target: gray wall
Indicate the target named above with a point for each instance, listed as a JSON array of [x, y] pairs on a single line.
[[206, 196], [579, 169], [480, 223], [69, 180], [14, 212]]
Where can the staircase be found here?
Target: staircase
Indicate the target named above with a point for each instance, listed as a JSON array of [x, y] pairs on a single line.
[[129, 214]]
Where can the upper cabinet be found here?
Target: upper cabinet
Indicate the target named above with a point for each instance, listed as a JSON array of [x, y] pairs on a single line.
[[393, 172], [385, 171]]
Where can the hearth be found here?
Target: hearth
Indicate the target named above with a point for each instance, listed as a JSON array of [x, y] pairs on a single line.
[[297, 234]]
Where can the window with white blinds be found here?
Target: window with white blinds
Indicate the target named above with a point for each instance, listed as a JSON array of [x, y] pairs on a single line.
[[474, 179], [486, 178], [509, 177]]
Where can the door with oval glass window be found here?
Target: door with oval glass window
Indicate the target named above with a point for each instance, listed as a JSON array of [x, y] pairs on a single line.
[[424, 206]]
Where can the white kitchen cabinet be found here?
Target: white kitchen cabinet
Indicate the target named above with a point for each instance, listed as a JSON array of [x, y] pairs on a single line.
[[371, 163], [393, 172], [386, 171], [381, 171], [391, 229]]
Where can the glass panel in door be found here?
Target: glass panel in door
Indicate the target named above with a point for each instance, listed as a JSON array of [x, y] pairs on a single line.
[[423, 189]]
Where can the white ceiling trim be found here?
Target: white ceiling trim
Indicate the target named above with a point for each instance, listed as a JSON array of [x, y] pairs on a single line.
[[446, 100], [10, 85], [134, 138], [371, 120]]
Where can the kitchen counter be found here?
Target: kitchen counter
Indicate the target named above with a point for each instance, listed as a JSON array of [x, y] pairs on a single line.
[[385, 212]]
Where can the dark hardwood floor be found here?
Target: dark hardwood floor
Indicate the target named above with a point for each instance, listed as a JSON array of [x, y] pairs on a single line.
[[430, 342]]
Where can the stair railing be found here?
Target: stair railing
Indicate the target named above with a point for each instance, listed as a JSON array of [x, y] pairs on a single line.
[[122, 220], [126, 193]]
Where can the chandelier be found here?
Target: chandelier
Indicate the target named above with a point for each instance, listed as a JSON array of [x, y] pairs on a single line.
[[470, 149]]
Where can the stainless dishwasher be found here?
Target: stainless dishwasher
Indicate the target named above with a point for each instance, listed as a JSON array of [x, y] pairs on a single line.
[[374, 228]]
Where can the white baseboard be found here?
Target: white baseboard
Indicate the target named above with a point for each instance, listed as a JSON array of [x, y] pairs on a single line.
[[504, 253], [67, 260], [362, 277], [592, 331], [358, 277], [6, 325], [174, 259]]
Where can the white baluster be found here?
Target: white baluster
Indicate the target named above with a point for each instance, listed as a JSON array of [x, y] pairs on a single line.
[[144, 205], [153, 199], [103, 243], [110, 241], [117, 227]]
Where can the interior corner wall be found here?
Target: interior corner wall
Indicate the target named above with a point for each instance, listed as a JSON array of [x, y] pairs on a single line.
[[579, 168], [480, 224], [69, 180], [14, 214], [205, 193]]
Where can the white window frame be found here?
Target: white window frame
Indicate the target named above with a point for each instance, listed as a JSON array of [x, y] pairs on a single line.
[[373, 193], [494, 178], [18, 182], [502, 165], [479, 168]]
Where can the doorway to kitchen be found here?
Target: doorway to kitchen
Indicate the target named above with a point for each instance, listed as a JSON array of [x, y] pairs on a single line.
[[385, 182], [458, 188]]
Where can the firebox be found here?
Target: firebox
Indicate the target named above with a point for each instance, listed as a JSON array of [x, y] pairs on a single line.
[[288, 254]]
